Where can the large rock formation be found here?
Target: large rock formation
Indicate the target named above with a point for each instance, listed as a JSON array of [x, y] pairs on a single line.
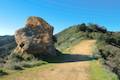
[[35, 38]]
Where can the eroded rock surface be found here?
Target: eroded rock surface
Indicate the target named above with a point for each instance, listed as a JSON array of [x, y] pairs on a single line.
[[35, 38]]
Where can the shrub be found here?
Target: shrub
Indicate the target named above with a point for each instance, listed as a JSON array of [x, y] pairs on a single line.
[[30, 64], [28, 57], [13, 65], [83, 27], [24, 64], [2, 72], [16, 67], [17, 62], [96, 28]]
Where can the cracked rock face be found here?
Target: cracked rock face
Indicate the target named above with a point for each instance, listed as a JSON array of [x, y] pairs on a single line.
[[35, 38]]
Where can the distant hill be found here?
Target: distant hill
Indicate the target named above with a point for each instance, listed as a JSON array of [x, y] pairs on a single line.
[[7, 43]]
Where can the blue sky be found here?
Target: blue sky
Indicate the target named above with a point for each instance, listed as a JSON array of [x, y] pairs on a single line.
[[59, 13]]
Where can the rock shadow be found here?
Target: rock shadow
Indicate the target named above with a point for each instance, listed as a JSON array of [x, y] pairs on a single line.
[[66, 58]]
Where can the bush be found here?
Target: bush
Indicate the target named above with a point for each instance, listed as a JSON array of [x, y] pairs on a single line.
[[30, 64], [96, 28], [2, 72], [28, 57], [16, 62], [13, 65], [16, 67], [83, 27], [24, 64], [17, 57]]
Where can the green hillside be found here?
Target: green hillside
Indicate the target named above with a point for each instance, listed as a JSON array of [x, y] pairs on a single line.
[[107, 45], [75, 33]]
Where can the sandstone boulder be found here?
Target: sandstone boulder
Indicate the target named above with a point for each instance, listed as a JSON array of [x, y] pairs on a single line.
[[35, 38]]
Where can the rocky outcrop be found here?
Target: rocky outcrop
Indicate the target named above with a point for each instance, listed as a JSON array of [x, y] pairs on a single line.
[[35, 38]]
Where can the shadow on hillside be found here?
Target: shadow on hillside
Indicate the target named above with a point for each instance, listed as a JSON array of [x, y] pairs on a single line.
[[66, 58]]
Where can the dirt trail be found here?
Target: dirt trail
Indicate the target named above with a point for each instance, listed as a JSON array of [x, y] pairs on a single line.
[[72, 70]]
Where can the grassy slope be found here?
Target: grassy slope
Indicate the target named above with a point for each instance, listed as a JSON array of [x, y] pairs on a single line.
[[98, 72]]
